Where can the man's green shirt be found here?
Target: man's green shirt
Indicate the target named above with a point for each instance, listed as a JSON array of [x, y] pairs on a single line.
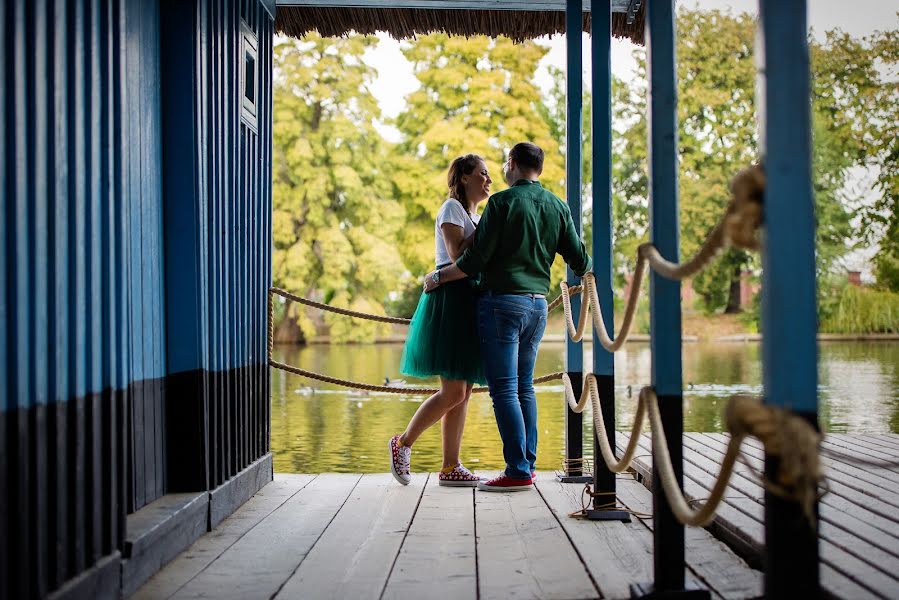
[[520, 233]]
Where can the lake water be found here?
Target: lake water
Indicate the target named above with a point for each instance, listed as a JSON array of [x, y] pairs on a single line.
[[322, 428]]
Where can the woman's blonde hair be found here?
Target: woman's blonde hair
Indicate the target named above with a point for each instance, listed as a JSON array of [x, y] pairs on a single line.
[[463, 165]]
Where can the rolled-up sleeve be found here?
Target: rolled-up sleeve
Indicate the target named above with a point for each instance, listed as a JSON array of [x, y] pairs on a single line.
[[571, 247], [486, 238]]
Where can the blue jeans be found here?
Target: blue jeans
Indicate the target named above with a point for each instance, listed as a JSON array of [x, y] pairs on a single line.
[[511, 327]]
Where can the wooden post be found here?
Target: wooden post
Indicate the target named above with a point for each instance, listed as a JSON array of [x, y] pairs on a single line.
[[789, 347], [664, 297], [574, 352], [603, 361]]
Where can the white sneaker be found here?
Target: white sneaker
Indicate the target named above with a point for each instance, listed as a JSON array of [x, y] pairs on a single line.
[[399, 460], [459, 476]]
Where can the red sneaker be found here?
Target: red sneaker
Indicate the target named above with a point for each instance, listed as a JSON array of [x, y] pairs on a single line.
[[505, 484], [533, 475]]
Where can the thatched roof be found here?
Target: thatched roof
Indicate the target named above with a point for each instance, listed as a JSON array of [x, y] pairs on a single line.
[[408, 22]]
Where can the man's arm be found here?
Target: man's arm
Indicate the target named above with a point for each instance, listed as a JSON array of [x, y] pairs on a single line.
[[571, 247], [486, 240]]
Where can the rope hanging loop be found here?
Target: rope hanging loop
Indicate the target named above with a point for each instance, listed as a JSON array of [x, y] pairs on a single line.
[[792, 439]]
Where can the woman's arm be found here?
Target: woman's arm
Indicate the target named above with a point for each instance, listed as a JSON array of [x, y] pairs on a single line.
[[454, 239]]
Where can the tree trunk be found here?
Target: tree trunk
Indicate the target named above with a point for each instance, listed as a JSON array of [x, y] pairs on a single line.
[[733, 298], [287, 331]]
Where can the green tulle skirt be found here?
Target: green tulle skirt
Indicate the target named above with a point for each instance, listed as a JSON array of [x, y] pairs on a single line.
[[443, 335]]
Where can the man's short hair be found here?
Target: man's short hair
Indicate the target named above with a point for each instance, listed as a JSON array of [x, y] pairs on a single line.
[[527, 156]]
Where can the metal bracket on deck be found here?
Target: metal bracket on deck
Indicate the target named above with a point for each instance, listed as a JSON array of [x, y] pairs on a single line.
[[608, 515], [564, 478]]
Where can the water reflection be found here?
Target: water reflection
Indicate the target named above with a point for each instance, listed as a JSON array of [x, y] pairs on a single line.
[[320, 427]]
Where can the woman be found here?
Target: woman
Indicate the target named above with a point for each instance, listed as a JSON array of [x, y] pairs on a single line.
[[443, 336]]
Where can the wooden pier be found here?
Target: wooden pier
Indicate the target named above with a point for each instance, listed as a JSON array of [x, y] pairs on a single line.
[[365, 536]]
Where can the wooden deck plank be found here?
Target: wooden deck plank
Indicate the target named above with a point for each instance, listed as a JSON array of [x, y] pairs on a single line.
[[840, 571], [209, 547], [890, 443], [437, 557], [849, 474], [868, 535], [354, 556], [523, 552], [264, 558], [854, 547], [616, 554], [708, 559]]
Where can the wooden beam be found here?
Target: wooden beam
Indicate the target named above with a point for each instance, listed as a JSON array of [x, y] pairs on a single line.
[[620, 6]]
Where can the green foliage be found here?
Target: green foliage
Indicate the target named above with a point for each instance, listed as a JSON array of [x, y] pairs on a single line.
[[861, 310], [886, 269], [854, 124], [477, 95], [335, 221]]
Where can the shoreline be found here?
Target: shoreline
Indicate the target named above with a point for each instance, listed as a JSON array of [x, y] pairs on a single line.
[[644, 338]]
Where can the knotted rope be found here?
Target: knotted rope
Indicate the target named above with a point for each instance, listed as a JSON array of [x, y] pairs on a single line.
[[789, 437]]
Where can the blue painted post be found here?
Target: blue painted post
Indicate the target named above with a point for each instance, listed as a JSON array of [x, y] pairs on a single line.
[[574, 352], [789, 348], [603, 361], [665, 306]]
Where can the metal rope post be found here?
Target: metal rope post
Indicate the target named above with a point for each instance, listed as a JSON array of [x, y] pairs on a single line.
[[665, 305], [574, 352], [603, 360], [789, 347]]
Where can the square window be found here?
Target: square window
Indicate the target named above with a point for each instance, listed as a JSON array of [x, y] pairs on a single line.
[[249, 79]]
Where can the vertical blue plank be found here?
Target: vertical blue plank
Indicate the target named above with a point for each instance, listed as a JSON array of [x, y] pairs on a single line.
[[19, 251], [789, 347], [574, 353], [6, 545], [39, 265], [603, 361], [135, 196], [665, 307], [95, 197], [59, 317], [41, 173], [19, 217], [185, 197]]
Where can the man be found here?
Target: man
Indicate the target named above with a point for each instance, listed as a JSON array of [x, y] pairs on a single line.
[[517, 239]]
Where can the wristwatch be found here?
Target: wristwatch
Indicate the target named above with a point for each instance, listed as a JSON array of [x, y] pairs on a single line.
[[435, 277]]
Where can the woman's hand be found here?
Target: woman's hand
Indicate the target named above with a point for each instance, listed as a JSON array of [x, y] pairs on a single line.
[[430, 283]]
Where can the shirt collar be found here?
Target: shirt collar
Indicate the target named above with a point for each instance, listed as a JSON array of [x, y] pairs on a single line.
[[525, 182]]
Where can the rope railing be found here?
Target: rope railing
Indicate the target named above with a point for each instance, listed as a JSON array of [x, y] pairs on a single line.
[[738, 227], [572, 291], [387, 389], [783, 434]]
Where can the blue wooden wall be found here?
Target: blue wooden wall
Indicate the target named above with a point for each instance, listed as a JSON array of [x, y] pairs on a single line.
[[101, 319], [218, 200]]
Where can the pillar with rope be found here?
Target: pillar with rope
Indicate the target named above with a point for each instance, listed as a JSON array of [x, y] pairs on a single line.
[[604, 500], [669, 579], [573, 465]]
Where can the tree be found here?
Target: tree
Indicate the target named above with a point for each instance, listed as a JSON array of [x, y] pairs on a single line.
[[718, 136], [477, 95], [335, 222]]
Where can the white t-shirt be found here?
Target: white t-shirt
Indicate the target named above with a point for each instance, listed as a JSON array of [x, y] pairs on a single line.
[[451, 212]]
